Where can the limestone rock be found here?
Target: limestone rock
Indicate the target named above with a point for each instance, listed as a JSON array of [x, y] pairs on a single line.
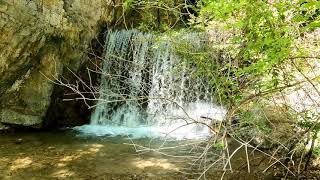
[[38, 40]]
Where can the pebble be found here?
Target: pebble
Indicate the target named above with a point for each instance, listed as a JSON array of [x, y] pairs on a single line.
[[18, 141]]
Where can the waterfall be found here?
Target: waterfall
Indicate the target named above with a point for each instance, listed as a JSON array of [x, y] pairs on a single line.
[[147, 89]]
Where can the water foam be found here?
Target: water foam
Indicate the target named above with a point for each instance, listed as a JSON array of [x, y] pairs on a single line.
[[147, 90], [179, 124]]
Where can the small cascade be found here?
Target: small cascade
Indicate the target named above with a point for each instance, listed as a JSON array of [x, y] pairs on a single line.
[[147, 90]]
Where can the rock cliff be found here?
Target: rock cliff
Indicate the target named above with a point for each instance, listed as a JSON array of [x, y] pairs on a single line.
[[40, 39]]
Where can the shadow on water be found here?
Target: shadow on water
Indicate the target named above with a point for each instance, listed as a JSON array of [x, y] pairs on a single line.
[[66, 155]]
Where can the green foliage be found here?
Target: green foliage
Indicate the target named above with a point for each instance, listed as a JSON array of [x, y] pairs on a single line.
[[129, 4], [204, 62], [256, 117], [219, 146], [317, 151], [265, 41], [265, 37], [265, 34], [154, 15], [308, 15], [310, 121]]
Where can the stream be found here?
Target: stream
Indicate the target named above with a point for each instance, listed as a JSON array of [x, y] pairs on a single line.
[[71, 155]]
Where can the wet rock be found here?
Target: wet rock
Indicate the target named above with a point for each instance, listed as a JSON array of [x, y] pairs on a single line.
[[51, 148]]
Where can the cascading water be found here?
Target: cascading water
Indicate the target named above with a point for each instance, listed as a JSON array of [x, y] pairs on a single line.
[[147, 90]]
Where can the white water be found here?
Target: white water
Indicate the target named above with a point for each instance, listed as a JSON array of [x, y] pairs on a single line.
[[146, 90], [172, 124]]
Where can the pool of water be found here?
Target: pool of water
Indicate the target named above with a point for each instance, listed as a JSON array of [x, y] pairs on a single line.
[[70, 155]]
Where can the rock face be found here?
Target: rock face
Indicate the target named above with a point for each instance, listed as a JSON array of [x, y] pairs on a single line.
[[39, 40]]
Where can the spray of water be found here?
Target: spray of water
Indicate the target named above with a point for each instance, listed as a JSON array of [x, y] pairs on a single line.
[[147, 90]]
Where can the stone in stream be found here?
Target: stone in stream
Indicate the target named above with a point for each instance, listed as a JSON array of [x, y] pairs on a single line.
[[18, 141]]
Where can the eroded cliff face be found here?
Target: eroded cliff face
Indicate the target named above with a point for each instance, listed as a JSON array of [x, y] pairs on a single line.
[[39, 39]]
